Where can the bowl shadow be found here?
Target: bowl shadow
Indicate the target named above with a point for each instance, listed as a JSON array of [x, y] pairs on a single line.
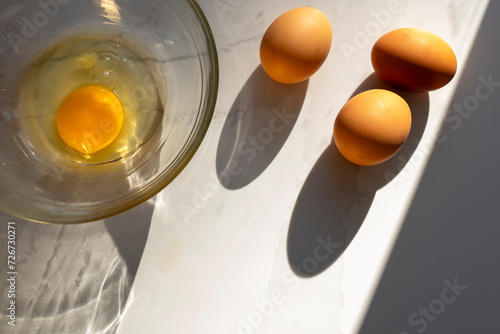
[[75, 278], [337, 194], [129, 231], [256, 128]]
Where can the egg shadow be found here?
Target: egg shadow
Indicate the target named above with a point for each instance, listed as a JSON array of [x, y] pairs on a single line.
[[337, 194], [256, 128]]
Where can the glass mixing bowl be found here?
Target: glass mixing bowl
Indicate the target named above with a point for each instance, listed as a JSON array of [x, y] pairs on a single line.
[[43, 183]]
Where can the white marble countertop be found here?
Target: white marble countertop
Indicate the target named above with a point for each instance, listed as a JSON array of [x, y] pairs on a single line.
[[297, 240]]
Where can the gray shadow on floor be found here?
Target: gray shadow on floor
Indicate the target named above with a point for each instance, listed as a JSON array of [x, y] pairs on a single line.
[[443, 273]]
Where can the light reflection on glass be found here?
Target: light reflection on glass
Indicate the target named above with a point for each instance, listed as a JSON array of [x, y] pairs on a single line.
[[111, 10]]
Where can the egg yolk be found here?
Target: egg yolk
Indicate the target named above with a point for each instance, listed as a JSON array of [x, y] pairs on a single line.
[[89, 119]]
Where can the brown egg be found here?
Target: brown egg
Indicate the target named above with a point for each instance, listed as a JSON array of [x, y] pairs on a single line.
[[296, 44], [414, 60], [372, 126]]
